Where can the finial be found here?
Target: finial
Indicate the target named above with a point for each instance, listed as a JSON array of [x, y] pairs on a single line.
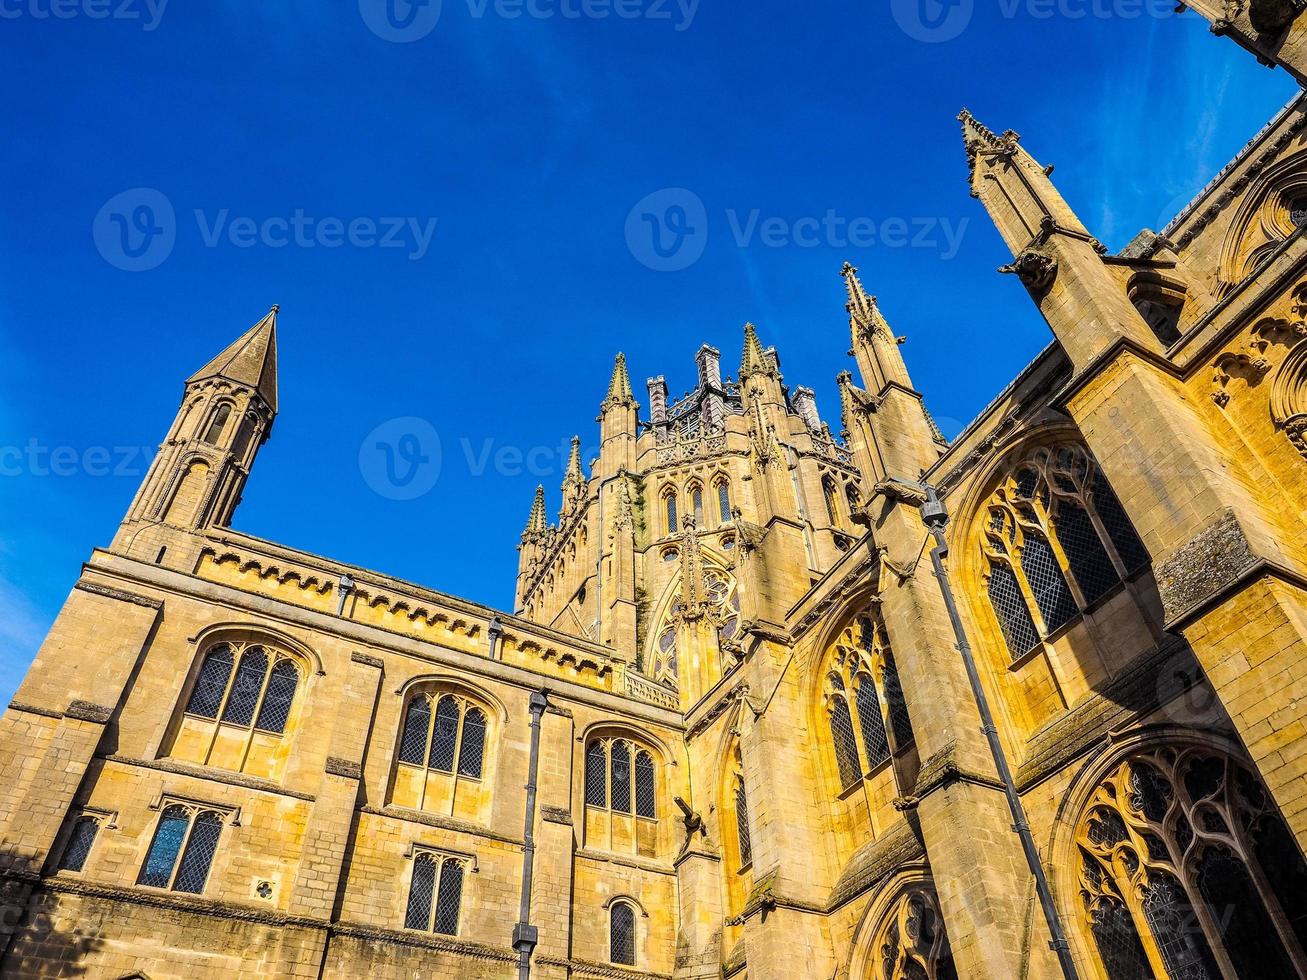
[[276, 308]]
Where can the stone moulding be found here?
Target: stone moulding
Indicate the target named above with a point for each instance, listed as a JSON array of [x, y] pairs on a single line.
[[32, 709], [422, 940], [109, 593], [343, 767], [1216, 558], [212, 775], [601, 971], [443, 823], [88, 711], [367, 660], [556, 814]]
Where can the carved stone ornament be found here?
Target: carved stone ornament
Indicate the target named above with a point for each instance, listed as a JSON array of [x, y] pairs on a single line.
[[1273, 16], [1035, 270], [1289, 397]]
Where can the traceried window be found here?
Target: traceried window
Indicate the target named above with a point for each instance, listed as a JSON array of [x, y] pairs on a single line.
[[240, 708], [911, 943], [621, 777], [621, 934], [181, 853], [435, 896], [721, 609], [244, 686], [696, 502], [1189, 872], [743, 836], [867, 713], [213, 435], [446, 733], [80, 842], [1057, 541]]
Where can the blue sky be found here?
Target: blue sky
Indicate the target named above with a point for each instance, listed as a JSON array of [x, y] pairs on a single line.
[[530, 135]]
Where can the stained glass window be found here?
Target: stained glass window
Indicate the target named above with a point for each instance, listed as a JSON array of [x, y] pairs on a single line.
[[192, 835]]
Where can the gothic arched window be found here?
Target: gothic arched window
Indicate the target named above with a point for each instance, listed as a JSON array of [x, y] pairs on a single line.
[[182, 851], [743, 835], [671, 524], [911, 943], [724, 501], [455, 730], [79, 843], [1188, 871], [435, 896], [829, 493], [862, 683], [239, 709], [696, 504], [621, 777], [1057, 542], [621, 934]]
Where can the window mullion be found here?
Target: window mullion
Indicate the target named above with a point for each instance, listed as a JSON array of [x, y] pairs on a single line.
[[1212, 930], [1027, 593], [1108, 544], [435, 892], [237, 655], [181, 849], [432, 705], [1049, 527]]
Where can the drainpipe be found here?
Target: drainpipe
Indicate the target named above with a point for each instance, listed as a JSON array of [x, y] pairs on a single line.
[[525, 935], [935, 517]]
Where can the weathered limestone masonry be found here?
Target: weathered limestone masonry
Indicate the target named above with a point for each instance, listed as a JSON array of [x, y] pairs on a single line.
[[760, 753]]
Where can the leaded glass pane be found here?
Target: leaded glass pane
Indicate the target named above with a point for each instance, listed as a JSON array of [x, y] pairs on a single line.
[[215, 672], [846, 746], [596, 775], [742, 823], [198, 856], [828, 493], [1249, 934], [1174, 926], [471, 755], [621, 762], [275, 709], [1119, 944], [621, 936], [1046, 582], [900, 722], [413, 744], [872, 723], [449, 898], [697, 498], [444, 738], [1278, 854], [1089, 560], [420, 893], [1124, 538], [247, 687], [164, 848], [645, 796], [79, 844], [1013, 614], [724, 501], [672, 524]]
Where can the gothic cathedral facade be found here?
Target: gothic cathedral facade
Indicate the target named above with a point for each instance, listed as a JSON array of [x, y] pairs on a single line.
[[775, 702]]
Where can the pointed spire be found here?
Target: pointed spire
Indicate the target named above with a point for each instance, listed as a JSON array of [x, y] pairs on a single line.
[[574, 474], [977, 137], [864, 312], [536, 523], [755, 358], [251, 360], [619, 387]]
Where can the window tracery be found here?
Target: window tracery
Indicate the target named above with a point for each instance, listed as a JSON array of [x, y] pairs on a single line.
[[911, 944], [1188, 871], [621, 776], [1057, 541], [862, 684]]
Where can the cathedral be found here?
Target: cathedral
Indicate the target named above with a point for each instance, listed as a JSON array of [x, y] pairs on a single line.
[[778, 699]]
